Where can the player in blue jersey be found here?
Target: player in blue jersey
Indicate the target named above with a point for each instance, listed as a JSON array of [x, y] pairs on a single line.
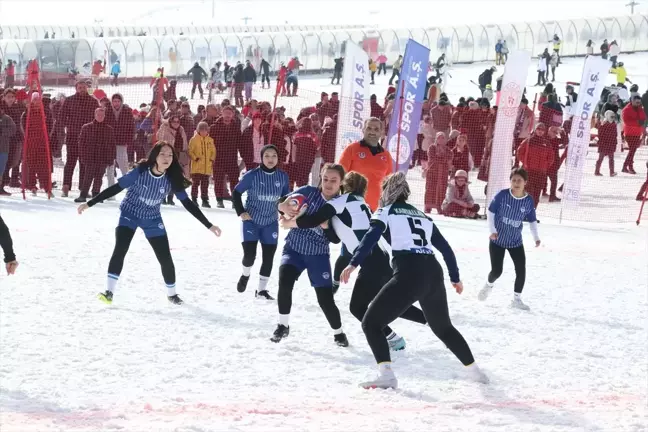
[[264, 186], [506, 212], [350, 218], [308, 249], [148, 185]]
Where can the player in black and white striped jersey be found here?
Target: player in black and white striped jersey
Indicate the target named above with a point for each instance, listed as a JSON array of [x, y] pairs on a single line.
[[350, 217], [418, 276]]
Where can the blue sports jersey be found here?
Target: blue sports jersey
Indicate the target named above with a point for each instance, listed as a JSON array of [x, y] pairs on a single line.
[[509, 213], [263, 190], [309, 241], [145, 194]]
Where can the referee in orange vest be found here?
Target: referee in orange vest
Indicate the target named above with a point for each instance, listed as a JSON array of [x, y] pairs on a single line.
[[370, 159]]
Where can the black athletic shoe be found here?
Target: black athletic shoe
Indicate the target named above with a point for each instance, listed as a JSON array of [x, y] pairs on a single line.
[[241, 286], [281, 332], [341, 340], [170, 201], [263, 295], [205, 203], [175, 299], [219, 203]]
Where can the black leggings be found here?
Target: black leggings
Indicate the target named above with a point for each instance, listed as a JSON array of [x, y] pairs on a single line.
[[267, 255], [497, 263], [288, 275], [160, 245], [374, 274], [416, 278]]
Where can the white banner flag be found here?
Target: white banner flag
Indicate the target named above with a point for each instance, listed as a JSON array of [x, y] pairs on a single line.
[[501, 160], [591, 87], [354, 97]]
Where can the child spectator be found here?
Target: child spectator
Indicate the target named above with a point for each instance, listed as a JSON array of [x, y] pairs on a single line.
[[203, 154], [458, 201]]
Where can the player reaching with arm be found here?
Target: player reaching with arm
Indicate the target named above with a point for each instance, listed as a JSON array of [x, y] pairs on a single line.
[[148, 185], [350, 218], [264, 186], [7, 248], [308, 249], [418, 276], [506, 212]]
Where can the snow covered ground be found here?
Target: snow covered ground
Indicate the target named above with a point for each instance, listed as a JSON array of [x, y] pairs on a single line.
[[576, 362]]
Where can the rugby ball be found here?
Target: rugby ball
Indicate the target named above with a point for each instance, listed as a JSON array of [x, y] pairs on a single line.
[[298, 203]]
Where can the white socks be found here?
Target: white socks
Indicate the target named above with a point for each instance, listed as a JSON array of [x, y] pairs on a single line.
[[385, 369], [284, 319], [170, 290], [263, 283], [392, 335], [338, 331], [247, 271], [517, 296], [112, 282]]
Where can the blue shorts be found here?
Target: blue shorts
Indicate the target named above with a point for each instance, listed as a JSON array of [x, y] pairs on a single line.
[[151, 227], [265, 234], [317, 266]]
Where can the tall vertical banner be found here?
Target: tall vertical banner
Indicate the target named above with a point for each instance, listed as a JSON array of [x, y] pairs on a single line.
[[591, 87], [403, 127], [513, 83], [355, 94]]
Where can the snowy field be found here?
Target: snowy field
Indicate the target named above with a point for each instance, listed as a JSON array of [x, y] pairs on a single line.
[[69, 363]]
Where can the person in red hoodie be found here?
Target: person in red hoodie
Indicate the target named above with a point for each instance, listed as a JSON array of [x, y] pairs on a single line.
[[634, 118], [96, 152], [607, 142], [306, 145], [37, 126], [557, 139], [329, 137], [226, 133], [536, 157]]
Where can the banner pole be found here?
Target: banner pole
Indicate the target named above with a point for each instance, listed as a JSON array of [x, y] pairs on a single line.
[[642, 205], [400, 118]]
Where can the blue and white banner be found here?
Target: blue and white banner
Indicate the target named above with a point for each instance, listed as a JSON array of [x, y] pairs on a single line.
[[355, 96], [411, 87], [591, 86]]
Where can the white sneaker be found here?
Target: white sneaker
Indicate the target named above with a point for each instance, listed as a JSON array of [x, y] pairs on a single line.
[[485, 291], [383, 381], [477, 375], [517, 303]]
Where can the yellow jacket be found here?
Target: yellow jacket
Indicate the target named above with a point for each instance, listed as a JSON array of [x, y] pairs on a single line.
[[621, 73], [202, 153], [373, 67]]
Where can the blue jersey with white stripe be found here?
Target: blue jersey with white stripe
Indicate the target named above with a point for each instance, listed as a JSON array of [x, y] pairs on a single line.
[[263, 191], [145, 194], [309, 241], [510, 212]]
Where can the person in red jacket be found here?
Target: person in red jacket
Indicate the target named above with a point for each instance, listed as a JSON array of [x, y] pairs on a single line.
[[96, 152], [607, 142], [37, 125], [557, 139], [306, 145], [226, 133], [634, 118], [536, 157]]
